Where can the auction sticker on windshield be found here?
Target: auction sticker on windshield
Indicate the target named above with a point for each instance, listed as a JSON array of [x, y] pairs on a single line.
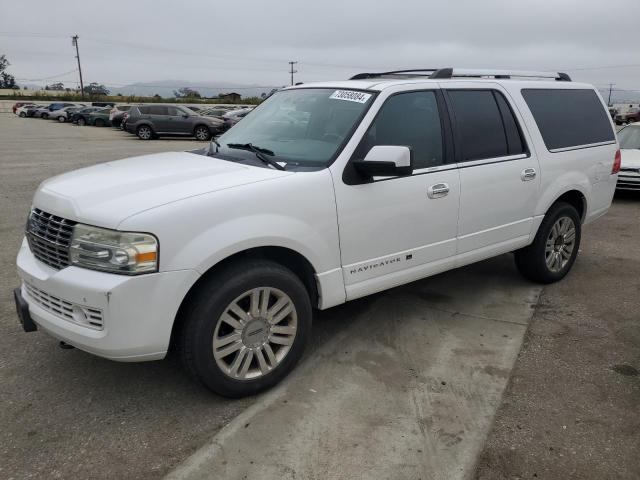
[[350, 96]]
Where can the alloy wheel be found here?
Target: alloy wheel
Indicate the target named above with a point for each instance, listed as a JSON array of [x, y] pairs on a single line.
[[202, 133], [255, 333], [560, 244]]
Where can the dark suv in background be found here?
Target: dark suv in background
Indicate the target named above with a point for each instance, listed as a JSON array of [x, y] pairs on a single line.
[[153, 121]]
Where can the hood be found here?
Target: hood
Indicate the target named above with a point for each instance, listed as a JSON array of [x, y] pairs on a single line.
[[630, 158], [105, 194]]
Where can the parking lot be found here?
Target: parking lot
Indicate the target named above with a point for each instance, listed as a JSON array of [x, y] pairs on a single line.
[[473, 373]]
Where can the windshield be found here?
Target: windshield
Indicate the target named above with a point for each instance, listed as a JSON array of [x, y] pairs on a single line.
[[629, 137], [301, 127]]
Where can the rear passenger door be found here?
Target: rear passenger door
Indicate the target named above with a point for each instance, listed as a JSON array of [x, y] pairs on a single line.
[[499, 175], [159, 115], [178, 122]]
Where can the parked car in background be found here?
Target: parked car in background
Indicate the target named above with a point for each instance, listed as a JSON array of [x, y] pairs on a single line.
[[21, 111], [234, 116], [117, 113], [81, 116], [214, 112], [45, 112], [63, 114], [31, 110], [153, 121], [629, 176], [100, 118], [18, 105], [631, 116]]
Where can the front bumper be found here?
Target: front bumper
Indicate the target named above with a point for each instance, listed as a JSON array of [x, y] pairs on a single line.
[[137, 311]]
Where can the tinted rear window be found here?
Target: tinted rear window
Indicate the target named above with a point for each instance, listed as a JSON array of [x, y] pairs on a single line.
[[485, 125], [569, 118]]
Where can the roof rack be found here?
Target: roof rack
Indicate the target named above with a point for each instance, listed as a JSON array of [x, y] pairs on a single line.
[[442, 73]]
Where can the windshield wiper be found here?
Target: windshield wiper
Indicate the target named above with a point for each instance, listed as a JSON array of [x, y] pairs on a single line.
[[260, 153]]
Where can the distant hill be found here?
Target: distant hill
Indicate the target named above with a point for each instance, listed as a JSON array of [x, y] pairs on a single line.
[[165, 88]]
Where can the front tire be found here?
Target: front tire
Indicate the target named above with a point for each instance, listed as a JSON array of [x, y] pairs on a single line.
[[44, 115], [144, 132], [22, 115], [202, 133], [82, 122], [62, 119], [555, 247], [246, 328]]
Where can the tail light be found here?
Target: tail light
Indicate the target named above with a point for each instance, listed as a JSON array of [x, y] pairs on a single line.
[[616, 163]]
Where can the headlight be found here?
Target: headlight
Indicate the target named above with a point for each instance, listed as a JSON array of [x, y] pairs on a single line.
[[128, 253]]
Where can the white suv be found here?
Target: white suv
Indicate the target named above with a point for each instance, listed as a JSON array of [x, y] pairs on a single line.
[[324, 193]]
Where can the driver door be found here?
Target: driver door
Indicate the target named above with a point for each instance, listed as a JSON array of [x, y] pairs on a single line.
[[394, 230]]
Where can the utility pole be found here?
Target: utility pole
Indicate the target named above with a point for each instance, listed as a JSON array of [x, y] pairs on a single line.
[[292, 71], [610, 89], [74, 42]]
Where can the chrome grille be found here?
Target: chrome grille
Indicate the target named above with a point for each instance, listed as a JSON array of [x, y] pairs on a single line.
[[49, 237], [78, 314]]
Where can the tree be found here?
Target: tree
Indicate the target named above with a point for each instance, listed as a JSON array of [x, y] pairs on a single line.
[[6, 80], [96, 89], [186, 92]]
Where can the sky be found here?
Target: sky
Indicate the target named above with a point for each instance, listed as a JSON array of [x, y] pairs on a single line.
[[249, 42]]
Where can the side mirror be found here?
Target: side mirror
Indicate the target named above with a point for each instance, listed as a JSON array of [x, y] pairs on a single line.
[[386, 161]]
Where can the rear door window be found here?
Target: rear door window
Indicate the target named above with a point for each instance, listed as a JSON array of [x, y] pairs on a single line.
[[485, 125], [158, 110], [569, 118]]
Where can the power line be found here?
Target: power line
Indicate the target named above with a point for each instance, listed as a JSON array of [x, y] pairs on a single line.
[[47, 78]]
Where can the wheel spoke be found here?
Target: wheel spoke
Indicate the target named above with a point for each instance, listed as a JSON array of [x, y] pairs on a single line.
[[223, 352], [220, 342], [282, 313], [271, 357], [570, 236], [240, 313], [284, 330], [565, 253], [255, 303], [246, 364], [262, 363], [233, 370], [228, 319], [264, 301], [281, 340]]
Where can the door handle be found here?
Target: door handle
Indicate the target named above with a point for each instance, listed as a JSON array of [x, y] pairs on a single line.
[[528, 174], [438, 190]]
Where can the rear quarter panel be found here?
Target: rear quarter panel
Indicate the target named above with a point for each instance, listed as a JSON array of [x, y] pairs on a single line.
[[587, 170]]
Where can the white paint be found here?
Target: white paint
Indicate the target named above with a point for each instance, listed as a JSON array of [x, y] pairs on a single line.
[[359, 239]]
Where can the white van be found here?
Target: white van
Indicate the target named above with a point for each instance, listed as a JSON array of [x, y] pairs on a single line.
[[324, 193]]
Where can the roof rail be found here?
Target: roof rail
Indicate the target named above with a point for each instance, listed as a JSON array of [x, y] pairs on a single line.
[[442, 73], [419, 72]]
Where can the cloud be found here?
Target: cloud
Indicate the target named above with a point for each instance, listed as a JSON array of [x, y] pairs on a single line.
[[251, 41]]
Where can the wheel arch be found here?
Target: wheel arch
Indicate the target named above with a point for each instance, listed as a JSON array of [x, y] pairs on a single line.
[[289, 258]]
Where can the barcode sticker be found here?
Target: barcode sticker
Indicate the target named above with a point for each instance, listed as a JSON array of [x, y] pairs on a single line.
[[350, 96]]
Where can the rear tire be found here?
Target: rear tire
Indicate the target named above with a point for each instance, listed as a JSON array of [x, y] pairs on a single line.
[[555, 247], [22, 115], [61, 119], [202, 133], [44, 115], [232, 338], [82, 122], [144, 132]]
